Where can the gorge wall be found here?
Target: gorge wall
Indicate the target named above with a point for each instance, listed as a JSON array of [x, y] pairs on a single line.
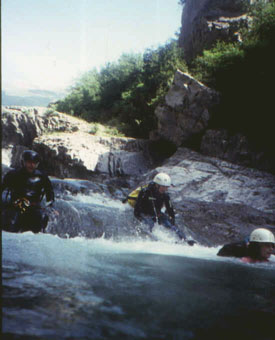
[[206, 21], [183, 120], [184, 115]]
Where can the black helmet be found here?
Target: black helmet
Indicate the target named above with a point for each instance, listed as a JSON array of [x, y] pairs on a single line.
[[30, 155]]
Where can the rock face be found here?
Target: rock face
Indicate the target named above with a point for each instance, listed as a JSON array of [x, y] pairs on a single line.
[[206, 21], [79, 155], [66, 146], [234, 148], [21, 125], [215, 201], [183, 119], [185, 112]]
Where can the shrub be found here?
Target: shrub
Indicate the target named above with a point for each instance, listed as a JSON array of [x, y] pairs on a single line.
[[242, 73]]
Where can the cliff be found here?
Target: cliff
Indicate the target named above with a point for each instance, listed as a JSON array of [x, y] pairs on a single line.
[[206, 21]]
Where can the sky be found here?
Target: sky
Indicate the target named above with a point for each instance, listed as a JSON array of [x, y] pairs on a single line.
[[48, 44]]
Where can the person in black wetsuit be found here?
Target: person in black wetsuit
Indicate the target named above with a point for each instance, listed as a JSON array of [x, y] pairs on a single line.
[[258, 248], [23, 190], [150, 202]]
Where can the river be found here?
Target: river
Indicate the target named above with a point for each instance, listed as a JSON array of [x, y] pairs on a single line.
[[79, 288]]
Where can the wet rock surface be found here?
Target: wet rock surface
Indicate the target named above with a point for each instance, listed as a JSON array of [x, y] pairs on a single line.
[[215, 201]]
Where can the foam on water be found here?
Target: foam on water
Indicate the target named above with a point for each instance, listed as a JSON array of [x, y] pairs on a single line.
[[82, 288], [75, 256], [52, 251], [99, 199]]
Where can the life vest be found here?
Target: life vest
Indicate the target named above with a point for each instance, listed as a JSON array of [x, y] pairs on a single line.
[[132, 197]]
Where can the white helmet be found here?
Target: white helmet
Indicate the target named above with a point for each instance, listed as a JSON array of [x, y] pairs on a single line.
[[262, 235], [162, 179]]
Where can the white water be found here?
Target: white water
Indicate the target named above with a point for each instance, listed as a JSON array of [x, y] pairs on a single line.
[[80, 289], [51, 250]]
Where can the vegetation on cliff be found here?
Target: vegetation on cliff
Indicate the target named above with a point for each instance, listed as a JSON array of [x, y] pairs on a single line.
[[125, 93], [243, 74]]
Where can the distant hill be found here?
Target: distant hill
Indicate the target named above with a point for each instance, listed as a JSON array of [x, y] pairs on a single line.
[[36, 100]]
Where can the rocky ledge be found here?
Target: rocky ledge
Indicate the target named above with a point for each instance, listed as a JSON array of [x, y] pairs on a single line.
[[215, 200]]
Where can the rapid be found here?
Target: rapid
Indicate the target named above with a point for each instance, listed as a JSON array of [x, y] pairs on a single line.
[[79, 288]]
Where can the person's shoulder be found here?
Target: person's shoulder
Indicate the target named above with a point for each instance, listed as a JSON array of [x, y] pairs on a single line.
[[12, 172], [235, 249], [149, 186], [166, 195], [40, 172]]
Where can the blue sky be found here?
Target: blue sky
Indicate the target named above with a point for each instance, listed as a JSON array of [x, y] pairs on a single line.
[[47, 44]]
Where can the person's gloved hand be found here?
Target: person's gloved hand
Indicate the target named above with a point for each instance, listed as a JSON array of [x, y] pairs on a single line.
[[139, 218], [191, 242], [49, 203], [22, 204], [172, 220]]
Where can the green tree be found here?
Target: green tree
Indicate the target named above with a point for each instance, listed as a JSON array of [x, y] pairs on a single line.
[[242, 73], [126, 92]]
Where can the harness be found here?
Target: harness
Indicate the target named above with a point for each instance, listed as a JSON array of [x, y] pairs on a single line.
[[22, 204]]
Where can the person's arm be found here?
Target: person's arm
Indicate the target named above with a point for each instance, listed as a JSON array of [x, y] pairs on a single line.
[[48, 191], [140, 200], [5, 190], [169, 208], [7, 181]]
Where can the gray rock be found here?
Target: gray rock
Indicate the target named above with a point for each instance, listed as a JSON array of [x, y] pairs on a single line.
[[204, 22], [234, 148], [185, 112], [80, 154], [66, 146], [217, 200], [21, 125]]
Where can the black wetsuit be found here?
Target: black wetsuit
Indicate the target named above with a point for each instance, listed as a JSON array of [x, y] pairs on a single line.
[[148, 209], [235, 249], [19, 184], [150, 202]]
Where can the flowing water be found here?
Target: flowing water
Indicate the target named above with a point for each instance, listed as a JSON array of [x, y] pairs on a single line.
[[76, 288]]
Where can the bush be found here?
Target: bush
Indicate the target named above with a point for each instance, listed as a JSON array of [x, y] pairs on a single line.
[[128, 90], [242, 73]]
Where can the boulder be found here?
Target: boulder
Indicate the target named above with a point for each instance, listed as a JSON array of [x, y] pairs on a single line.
[[234, 148], [67, 147], [217, 200], [21, 125], [80, 154], [186, 110]]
